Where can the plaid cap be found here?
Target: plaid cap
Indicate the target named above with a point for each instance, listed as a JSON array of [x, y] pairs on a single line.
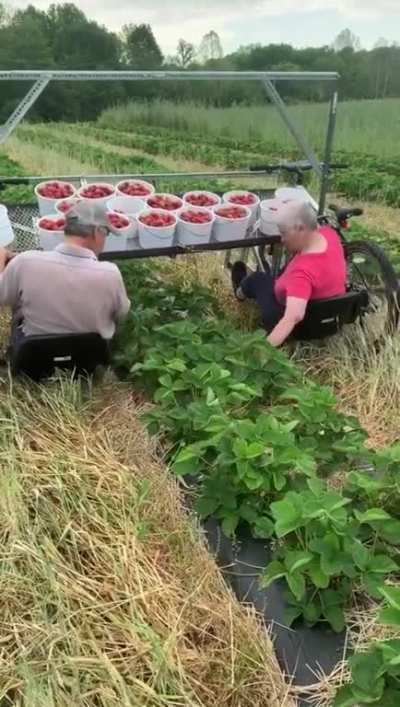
[[87, 213]]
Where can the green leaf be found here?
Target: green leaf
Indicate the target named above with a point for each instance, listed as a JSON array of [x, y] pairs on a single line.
[[291, 614], [287, 517], [177, 365], [295, 559], [296, 584], [312, 612], [382, 564], [372, 515], [275, 570], [263, 527], [392, 596], [366, 670], [317, 576], [205, 506], [389, 617], [335, 617], [345, 698], [229, 525]]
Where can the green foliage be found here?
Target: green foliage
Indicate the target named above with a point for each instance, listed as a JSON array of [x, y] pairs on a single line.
[[239, 416], [375, 674]]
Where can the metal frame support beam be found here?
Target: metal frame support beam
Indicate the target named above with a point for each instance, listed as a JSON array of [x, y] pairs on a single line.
[[22, 108], [169, 75], [328, 153], [292, 127]]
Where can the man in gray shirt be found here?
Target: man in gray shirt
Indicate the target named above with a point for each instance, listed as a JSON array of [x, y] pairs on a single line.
[[66, 290]]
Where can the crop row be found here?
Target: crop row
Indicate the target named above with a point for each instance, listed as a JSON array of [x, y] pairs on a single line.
[[263, 442], [17, 194]]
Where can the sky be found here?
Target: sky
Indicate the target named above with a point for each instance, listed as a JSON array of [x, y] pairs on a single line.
[[241, 22]]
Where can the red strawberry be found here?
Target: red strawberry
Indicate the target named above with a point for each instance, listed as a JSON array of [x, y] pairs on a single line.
[[56, 190], [169, 202], [157, 220], [231, 212], [201, 199], [52, 224], [134, 189], [192, 216], [246, 198], [97, 191], [118, 220]]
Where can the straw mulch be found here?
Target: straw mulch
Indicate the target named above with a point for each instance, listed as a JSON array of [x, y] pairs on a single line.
[[109, 596]]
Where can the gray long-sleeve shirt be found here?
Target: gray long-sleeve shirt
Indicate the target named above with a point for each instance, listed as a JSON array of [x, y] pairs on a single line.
[[66, 290]]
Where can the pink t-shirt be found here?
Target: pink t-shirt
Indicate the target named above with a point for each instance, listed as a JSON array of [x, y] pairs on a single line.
[[315, 275]]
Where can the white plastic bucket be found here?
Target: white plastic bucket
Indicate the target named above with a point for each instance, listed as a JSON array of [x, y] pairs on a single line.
[[156, 236], [126, 205], [98, 199], [177, 199], [269, 209], [146, 185], [48, 240], [227, 229], [286, 194], [116, 241], [194, 233], [70, 201], [6, 232], [216, 200], [46, 204], [129, 231], [254, 207]]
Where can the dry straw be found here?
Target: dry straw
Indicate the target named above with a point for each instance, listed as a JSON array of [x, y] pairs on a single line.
[[109, 595]]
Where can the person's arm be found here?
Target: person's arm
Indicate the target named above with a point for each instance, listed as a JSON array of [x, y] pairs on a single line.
[[123, 304], [294, 313], [9, 291]]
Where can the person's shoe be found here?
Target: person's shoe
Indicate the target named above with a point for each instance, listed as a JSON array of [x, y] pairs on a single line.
[[238, 273]]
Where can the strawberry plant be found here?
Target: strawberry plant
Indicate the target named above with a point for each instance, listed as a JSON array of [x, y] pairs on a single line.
[[375, 674], [322, 556]]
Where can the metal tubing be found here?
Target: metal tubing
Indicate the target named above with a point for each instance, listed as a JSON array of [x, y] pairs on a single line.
[[168, 75], [22, 108], [137, 175], [293, 129], [328, 153]]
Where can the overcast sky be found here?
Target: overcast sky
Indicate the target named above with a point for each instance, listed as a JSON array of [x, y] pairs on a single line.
[[298, 22]]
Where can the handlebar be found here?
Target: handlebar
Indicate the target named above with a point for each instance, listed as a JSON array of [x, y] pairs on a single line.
[[292, 167]]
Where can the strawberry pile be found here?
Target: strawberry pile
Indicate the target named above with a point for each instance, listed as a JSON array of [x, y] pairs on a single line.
[[97, 191], [192, 216], [65, 206], [118, 220], [56, 190], [246, 199], [231, 212], [201, 199], [158, 220], [52, 224], [168, 202], [134, 189]]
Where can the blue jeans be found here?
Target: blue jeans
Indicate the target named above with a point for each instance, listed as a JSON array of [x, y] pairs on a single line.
[[260, 287]]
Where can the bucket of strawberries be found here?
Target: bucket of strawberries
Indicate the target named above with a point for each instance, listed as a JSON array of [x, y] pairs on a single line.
[[205, 199], [244, 198], [156, 228], [99, 191], [195, 225], [48, 193], [231, 222], [134, 189], [122, 227], [50, 230]]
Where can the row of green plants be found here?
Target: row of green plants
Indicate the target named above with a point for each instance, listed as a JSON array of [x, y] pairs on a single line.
[[106, 161], [17, 194], [194, 149], [263, 444]]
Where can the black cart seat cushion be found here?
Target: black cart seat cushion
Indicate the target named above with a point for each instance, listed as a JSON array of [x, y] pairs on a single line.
[[39, 356], [326, 317]]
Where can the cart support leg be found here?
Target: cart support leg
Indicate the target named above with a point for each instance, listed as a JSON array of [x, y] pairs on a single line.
[[328, 153], [292, 127], [22, 108]]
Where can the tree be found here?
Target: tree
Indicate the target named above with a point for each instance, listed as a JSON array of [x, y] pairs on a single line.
[[141, 50], [210, 47], [346, 40], [381, 42], [184, 53]]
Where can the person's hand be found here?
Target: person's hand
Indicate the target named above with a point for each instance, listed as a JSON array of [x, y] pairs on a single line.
[[5, 257]]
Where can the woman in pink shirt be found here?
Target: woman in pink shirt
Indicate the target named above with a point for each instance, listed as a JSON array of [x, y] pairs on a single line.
[[317, 270]]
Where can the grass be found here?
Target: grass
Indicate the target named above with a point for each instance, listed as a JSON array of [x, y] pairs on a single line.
[[362, 126], [109, 595]]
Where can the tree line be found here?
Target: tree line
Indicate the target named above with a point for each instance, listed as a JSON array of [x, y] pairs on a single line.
[[63, 37]]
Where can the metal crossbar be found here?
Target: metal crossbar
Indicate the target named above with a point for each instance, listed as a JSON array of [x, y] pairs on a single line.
[[268, 78]]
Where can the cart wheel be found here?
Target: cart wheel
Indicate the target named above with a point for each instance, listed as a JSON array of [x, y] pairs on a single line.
[[370, 269]]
